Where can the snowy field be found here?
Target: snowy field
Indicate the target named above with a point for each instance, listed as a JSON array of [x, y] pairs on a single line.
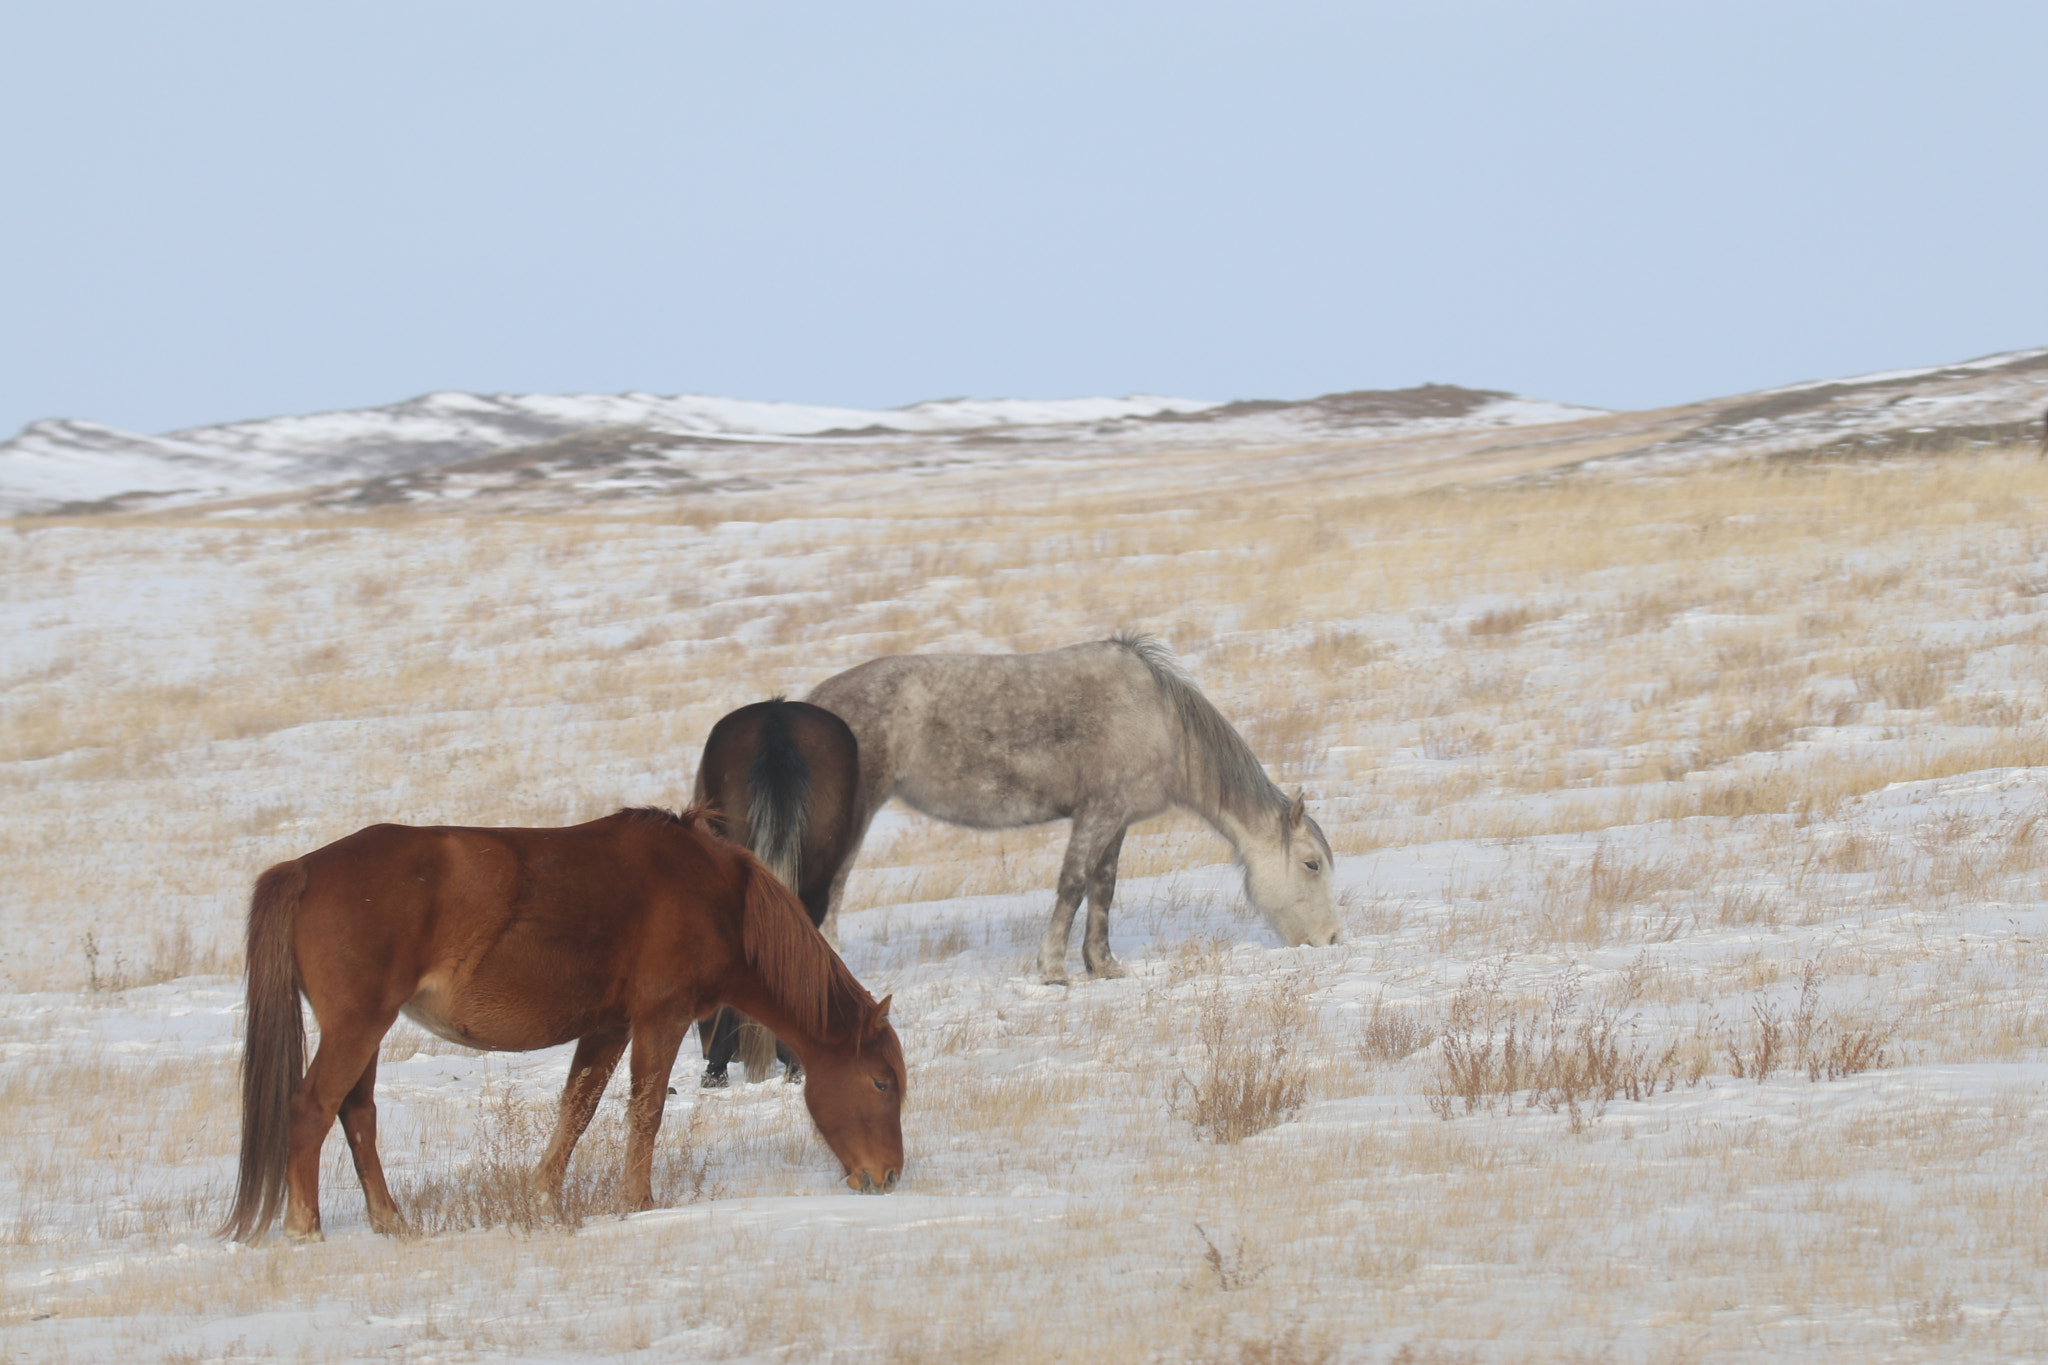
[[1691, 1004]]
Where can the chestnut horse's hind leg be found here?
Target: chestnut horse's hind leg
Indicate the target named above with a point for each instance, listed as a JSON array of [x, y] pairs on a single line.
[[347, 1050], [655, 1042], [359, 1126], [589, 1070]]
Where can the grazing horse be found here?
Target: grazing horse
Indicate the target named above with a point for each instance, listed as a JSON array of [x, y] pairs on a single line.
[[1103, 734], [623, 929], [778, 777]]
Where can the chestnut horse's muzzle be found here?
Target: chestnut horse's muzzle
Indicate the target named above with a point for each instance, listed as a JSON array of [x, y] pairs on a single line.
[[862, 1182]]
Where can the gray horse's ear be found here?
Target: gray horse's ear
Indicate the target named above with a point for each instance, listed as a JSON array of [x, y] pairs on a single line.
[[1297, 811]]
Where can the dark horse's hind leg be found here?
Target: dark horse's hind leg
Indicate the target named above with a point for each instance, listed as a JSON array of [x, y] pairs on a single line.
[[724, 1030], [359, 1126]]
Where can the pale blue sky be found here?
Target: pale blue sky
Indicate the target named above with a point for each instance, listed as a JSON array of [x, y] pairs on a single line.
[[214, 210]]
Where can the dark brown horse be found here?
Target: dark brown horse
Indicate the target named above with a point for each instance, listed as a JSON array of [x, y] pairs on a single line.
[[781, 778], [624, 929]]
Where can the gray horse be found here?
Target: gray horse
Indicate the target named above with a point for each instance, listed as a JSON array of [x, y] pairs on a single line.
[[1104, 734]]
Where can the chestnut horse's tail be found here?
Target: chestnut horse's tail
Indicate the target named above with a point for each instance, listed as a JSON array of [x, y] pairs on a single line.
[[273, 1050]]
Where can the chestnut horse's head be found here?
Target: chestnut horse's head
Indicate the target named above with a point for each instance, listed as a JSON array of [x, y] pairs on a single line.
[[854, 1091]]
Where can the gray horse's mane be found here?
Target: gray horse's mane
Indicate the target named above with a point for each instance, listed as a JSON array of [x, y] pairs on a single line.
[[1214, 758]]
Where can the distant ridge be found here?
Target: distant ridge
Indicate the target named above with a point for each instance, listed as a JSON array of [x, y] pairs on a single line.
[[551, 452], [73, 466]]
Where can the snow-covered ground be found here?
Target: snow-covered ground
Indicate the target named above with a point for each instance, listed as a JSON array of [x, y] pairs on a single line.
[[1679, 779]]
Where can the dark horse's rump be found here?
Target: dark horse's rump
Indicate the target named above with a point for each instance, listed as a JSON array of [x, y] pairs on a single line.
[[621, 930], [781, 778]]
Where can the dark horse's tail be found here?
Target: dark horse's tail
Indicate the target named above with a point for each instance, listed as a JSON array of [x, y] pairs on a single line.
[[778, 811], [779, 796], [273, 1050]]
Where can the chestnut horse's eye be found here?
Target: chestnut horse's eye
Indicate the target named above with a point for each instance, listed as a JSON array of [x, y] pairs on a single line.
[[880, 1084]]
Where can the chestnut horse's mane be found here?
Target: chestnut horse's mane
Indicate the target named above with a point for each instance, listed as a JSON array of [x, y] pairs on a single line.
[[796, 964]]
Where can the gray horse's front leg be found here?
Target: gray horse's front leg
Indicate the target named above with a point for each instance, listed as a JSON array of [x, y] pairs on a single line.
[[1101, 890], [1084, 849]]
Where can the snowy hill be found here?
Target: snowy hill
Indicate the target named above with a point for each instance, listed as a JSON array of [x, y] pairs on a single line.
[[80, 466], [533, 452]]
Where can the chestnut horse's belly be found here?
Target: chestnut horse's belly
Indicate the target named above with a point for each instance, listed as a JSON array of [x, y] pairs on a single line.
[[442, 1013]]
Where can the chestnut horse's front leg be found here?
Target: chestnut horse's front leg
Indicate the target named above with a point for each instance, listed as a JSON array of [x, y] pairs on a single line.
[[596, 1056], [655, 1043]]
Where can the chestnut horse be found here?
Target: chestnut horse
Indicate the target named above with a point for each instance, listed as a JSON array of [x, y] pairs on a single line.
[[623, 929], [781, 778]]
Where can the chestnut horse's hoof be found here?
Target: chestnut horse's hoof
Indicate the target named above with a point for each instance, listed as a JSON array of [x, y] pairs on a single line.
[[714, 1079]]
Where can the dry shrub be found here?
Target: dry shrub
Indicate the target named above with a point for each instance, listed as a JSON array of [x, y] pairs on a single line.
[[1579, 904], [1908, 679], [1253, 1075], [1431, 1353], [494, 1187], [172, 955], [1386, 1035], [1287, 1346], [1563, 1056], [1501, 621], [1234, 1269], [1768, 723], [1933, 1320], [1810, 1039], [1335, 650]]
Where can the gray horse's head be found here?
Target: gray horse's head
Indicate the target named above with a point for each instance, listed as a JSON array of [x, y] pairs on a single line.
[[1287, 874]]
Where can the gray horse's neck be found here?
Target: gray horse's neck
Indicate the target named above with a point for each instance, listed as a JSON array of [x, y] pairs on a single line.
[[1241, 827], [1220, 779]]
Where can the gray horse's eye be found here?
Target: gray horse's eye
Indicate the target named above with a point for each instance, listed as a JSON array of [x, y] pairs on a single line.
[[1314, 865]]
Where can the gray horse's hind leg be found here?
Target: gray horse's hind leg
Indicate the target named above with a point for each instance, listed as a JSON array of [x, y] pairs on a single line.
[[1093, 834], [1101, 890]]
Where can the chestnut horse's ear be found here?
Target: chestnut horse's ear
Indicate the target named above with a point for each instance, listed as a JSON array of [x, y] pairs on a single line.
[[878, 1017]]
